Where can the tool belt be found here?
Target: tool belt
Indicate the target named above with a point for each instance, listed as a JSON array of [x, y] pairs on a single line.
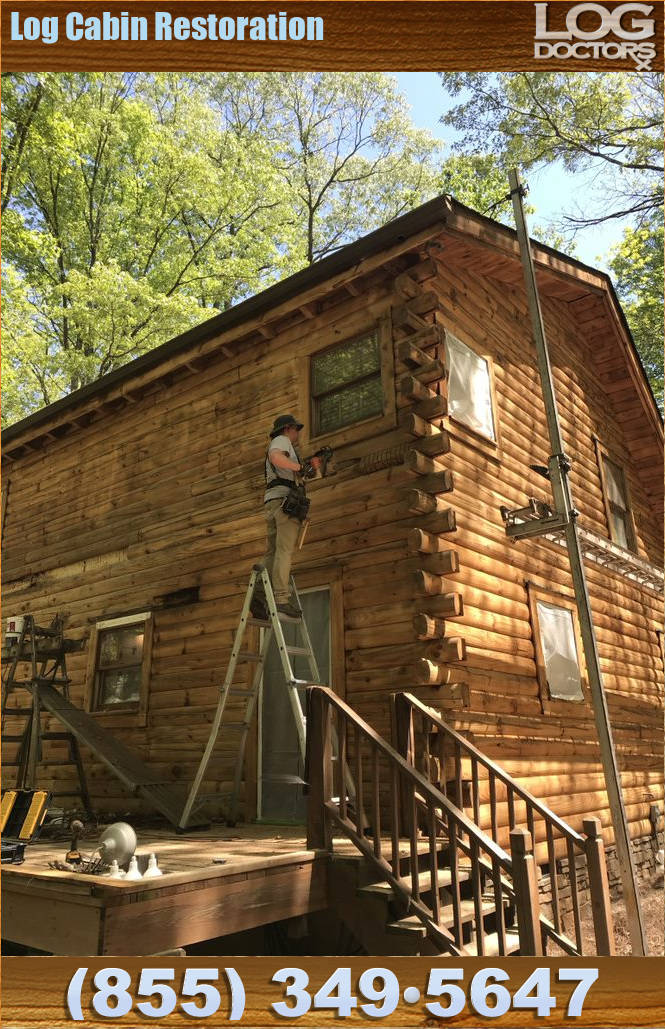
[[296, 504]]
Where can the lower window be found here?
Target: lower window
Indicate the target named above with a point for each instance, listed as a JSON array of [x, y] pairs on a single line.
[[121, 648], [557, 645]]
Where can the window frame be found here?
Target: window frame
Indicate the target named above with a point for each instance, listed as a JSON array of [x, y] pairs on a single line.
[[134, 712], [373, 424], [603, 455], [549, 704], [475, 436]]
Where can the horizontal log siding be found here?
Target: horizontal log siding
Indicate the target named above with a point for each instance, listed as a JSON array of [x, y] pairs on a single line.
[[167, 493]]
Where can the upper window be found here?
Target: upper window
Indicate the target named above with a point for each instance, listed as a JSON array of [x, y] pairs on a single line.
[[617, 504], [121, 659], [557, 645], [346, 383], [469, 388]]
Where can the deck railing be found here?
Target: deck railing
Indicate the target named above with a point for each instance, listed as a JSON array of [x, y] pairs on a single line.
[[498, 804], [398, 819]]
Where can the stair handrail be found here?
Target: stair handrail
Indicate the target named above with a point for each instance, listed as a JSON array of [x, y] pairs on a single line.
[[529, 799], [324, 812], [589, 846]]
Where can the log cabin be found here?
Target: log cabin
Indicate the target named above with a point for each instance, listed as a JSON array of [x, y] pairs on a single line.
[[132, 512]]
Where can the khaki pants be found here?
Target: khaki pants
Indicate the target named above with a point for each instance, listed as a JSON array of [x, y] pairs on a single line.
[[282, 536]]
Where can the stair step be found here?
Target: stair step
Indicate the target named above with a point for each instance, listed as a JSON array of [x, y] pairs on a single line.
[[424, 881], [412, 924], [491, 943]]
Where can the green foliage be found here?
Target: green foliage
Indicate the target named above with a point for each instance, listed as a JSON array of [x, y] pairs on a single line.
[[637, 264], [344, 145], [607, 129], [137, 205], [609, 125]]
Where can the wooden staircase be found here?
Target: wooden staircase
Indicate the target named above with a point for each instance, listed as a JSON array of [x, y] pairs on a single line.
[[432, 881]]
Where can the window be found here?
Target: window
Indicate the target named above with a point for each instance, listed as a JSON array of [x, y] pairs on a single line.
[[557, 645], [121, 654], [469, 387], [346, 383], [617, 504]]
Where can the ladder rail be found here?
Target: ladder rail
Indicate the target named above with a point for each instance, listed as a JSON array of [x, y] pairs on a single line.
[[221, 704], [273, 629]]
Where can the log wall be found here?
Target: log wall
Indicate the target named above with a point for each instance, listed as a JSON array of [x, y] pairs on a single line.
[[165, 494]]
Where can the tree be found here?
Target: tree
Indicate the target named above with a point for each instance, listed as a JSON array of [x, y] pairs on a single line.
[[119, 230], [344, 145], [136, 205], [637, 263], [609, 125]]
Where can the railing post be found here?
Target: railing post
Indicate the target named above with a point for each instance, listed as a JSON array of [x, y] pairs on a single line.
[[319, 770], [527, 900], [403, 742], [599, 887]]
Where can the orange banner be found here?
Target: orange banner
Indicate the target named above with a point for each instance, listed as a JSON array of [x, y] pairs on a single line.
[[293, 991], [496, 36]]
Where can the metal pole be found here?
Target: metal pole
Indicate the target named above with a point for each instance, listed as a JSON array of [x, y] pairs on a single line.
[[559, 466]]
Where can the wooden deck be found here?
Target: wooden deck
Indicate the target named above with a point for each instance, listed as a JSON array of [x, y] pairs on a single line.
[[268, 875]]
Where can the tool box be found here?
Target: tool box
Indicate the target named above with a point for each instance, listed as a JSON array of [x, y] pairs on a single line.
[[22, 815]]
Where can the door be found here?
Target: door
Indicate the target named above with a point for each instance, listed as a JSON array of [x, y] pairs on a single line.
[[281, 767]]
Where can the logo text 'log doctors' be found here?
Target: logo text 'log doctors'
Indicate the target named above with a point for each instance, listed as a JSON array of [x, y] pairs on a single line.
[[629, 30]]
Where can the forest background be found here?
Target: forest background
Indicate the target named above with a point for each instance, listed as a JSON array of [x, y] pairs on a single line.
[[136, 205]]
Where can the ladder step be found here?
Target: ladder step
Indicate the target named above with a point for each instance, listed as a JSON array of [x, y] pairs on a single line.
[[11, 739], [247, 655], [23, 711], [46, 681], [239, 691], [300, 684], [305, 651]]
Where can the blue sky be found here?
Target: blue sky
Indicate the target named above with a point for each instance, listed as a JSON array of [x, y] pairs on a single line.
[[550, 189]]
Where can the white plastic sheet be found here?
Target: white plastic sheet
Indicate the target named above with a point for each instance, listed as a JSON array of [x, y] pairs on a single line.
[[469, 393], [557, 638]]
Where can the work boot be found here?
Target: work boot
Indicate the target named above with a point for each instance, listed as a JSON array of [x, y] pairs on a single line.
[[290, 610], [258, 609]]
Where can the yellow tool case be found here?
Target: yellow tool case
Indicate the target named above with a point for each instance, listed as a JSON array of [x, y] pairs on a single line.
[[21, 818]]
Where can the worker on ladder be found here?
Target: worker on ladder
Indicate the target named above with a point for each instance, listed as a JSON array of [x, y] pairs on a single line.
[[286, 507]]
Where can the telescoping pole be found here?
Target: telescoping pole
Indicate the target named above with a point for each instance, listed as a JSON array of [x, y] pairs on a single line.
[[559, 467]]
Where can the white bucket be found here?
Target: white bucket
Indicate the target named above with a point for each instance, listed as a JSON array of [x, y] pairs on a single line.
[[14, 629]]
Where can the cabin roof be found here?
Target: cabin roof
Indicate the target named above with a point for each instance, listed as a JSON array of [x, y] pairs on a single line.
[[473, 241]]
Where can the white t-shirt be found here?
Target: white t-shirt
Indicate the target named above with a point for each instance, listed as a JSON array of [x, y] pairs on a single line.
[[284, 444]]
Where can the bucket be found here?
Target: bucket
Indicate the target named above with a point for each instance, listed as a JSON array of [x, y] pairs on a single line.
[[14, 629]]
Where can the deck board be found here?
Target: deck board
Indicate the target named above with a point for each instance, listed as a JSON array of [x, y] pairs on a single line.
[[268, 875]]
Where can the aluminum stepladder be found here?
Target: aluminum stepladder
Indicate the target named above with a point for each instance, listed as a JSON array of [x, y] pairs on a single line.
[[249, 694]]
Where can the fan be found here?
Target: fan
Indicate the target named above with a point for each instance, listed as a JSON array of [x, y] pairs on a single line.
[[117, 843]]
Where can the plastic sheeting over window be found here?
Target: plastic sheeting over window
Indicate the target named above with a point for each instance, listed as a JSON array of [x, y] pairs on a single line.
[[557, 638], [469, 393]]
